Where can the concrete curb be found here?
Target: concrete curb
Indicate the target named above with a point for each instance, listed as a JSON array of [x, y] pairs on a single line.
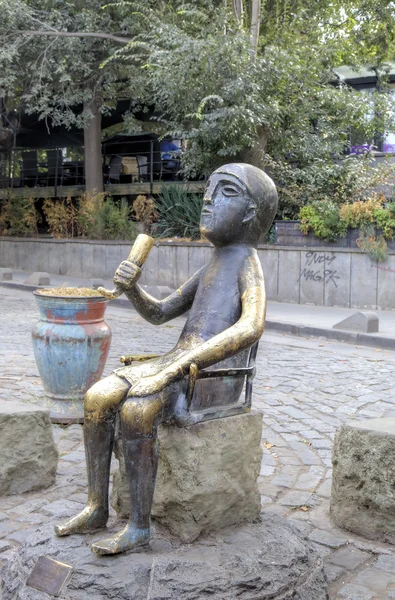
[[349, 337]]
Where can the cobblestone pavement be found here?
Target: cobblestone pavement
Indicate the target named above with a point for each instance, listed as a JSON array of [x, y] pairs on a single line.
[[305, 389]]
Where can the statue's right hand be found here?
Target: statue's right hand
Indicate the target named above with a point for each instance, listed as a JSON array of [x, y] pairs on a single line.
[[127, 275]]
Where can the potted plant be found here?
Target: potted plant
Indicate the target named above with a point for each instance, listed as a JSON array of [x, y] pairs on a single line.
[[71, 342]]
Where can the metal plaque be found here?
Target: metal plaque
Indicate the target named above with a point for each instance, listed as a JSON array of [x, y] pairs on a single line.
[[49, 575]]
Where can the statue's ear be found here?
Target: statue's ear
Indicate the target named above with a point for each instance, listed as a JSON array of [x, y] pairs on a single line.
[[250, 213]]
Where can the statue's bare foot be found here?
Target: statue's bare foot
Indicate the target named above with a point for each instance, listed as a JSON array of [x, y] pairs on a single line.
[[89, 519], [129, 538]]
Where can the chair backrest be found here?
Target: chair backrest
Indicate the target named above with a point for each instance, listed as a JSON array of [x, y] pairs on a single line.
[[29, 164], [142, 162], [130, 166], [54, 162], [115, 168]]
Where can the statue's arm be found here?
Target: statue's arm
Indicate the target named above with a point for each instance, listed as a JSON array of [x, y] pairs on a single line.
[[160, 311], [240, 336]]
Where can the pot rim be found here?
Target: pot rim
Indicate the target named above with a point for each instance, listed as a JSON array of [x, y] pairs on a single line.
[[60, 297]]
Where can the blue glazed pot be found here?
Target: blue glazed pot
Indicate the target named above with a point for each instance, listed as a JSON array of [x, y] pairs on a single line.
[[71, 343]]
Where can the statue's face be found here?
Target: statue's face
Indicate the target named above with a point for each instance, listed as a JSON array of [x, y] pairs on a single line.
[[225, 209]]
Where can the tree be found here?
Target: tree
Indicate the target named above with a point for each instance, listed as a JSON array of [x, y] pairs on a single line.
[[51, 60], [234, 85]]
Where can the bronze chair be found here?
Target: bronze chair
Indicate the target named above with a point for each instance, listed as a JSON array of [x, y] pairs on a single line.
[[197, 411]]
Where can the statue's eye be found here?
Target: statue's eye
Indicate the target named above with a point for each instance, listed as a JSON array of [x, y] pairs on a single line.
[[230, 190]]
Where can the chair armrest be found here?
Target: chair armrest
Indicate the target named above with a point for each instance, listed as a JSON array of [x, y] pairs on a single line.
[[128, 359]]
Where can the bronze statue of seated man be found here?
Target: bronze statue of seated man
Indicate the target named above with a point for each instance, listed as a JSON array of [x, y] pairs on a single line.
[[227, 304]]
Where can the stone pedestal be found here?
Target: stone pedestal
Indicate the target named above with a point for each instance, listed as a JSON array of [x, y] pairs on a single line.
[[363, 488], [207, 476], [265, 561], [28, 455]]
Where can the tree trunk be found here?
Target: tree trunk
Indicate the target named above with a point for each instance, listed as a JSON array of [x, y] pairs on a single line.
[[255, 155], [255, 23], [92, 142], [237, 6]]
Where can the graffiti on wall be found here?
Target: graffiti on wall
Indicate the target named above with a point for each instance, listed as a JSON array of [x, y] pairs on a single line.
[[316, 268]]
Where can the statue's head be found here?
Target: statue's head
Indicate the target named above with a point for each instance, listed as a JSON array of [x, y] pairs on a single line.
[[240, 203]]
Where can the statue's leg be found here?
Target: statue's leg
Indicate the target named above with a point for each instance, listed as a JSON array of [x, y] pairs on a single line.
[[101, 402], [139, 421]]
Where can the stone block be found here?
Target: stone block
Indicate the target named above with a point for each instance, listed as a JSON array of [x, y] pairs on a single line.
[[270, 560], [363, 490], [28, 455], [5, 274], [363, 322], [38, 278], [207, 476]]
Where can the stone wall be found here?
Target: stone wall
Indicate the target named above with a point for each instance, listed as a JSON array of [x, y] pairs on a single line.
[[323, 276]]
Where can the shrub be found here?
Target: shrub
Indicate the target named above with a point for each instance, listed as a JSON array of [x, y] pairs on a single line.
[[374, 245], [101, 218], [18, 216], [96, 217], [347, 181], [144, 210], [385, 220], [360, 214], [179, 213], [61, 215], [323, 219]]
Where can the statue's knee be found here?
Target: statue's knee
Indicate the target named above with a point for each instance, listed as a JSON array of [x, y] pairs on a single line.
[[94, 397], [104, 396], [140, 416]]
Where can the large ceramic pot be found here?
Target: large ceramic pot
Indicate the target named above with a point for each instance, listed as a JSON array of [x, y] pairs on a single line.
[[71, 343]]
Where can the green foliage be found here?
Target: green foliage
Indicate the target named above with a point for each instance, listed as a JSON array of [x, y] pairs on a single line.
[[61, 215], [385, 220], [374, 245], [96, 217], [178, 213], [374, 219], [102, 218], [192, 62], [323, 219], [352, 179], [18, 216], [361, 214]]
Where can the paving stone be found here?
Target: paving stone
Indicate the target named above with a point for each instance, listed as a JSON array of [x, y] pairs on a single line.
[[75, 457], [375, 579], [385, 563], [325, 489], [4, 545], [7, 527], [295, 498], [354, 592], [321, 443], [327, 538], [349, 557], [61, 508], [266, 471], [21, 535], [332, 572], [310, 480]]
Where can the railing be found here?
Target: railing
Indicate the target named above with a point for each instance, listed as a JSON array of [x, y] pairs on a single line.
[[125, 161]]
